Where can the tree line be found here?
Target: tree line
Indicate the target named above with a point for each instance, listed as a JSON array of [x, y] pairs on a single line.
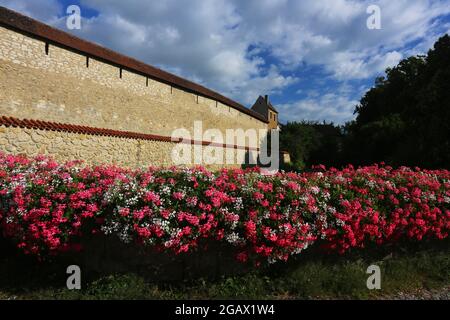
[[404, 119]]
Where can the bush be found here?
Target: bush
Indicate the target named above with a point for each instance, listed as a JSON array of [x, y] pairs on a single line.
[[47, 208]]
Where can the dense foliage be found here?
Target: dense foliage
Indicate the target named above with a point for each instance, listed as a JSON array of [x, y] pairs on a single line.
[[310, 143], [403, 120], [46, 207]]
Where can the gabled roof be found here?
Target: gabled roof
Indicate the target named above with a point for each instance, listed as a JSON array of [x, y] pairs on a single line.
[[13, 20], [265, 102]]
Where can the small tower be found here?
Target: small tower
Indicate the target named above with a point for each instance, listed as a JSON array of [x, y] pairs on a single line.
[[264, 107]]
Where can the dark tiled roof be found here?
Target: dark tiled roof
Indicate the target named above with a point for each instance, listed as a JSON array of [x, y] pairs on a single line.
[[262, 100], [24, 24], [62, 127]]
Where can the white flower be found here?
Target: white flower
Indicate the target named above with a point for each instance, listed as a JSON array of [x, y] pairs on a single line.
[[315, 190], [371, 184], [233, 238], [303, 199], [331, 209], [238, 205]]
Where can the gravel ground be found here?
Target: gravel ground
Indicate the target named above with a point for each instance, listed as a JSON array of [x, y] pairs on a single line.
[[421, 294]]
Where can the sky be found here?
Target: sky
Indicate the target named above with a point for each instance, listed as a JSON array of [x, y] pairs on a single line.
[[314, 58]]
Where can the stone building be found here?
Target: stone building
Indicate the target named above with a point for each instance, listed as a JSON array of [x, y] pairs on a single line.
[[66, 97], [264, 107]]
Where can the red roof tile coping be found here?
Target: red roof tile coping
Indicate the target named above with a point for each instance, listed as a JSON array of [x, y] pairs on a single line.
[[24, 24], [72, 128]]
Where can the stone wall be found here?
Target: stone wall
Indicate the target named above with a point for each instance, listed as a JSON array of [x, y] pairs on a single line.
[[93, 149], [61, 85]]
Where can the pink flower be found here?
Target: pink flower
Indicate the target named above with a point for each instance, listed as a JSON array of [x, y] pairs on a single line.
[[150, 196], [258, 196], [48, 207], [124, 212], [178, 195]]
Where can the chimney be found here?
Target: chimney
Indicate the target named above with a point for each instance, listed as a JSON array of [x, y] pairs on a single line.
[[266, 99]]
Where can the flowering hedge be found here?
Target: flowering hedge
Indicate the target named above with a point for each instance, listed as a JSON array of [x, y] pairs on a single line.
[[46, 207]]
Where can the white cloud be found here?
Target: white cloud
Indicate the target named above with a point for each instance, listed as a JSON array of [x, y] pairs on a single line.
[[351, 65], [201, 41], [46, 11], [337, 105], [329, 106], [247, 48]]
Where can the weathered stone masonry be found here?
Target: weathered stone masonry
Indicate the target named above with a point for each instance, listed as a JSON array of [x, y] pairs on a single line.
[[46, 74]]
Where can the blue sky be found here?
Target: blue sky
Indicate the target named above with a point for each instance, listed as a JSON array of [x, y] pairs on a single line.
[[314, 58]]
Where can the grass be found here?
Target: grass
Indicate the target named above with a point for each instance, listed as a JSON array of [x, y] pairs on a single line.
[[308, 276]]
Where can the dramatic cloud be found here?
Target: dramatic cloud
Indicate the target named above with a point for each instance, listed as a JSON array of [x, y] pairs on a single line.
[[46, 11], [247, 48], [336, 106]]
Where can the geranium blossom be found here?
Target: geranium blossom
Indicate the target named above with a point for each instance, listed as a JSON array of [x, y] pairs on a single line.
[[46, 207]]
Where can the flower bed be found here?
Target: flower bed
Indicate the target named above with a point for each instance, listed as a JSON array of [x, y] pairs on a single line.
[[47, 208]]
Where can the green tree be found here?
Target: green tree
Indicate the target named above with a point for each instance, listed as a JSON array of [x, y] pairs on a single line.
[[311, 143], [405, 118]]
